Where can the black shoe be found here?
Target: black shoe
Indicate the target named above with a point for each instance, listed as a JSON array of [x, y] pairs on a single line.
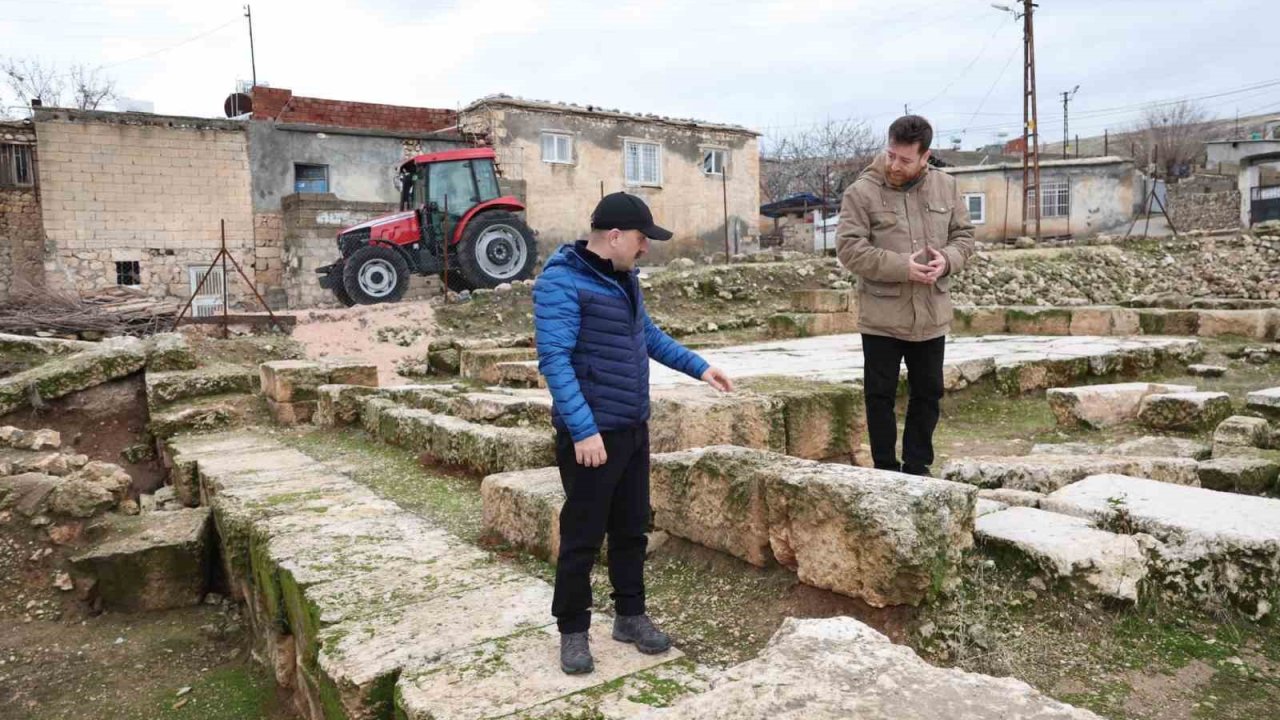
[[891, 468], [921, 470], [639, 629], [575, 654]]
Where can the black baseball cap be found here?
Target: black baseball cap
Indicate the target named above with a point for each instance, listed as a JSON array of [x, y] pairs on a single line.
[[626, 212]]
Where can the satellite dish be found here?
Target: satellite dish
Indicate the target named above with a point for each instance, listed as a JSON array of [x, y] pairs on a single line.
[[237, 104]]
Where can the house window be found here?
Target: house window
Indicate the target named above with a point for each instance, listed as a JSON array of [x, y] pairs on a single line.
[[1055, 198], [310, 178], [129, 272], [557, 148], [643, 162], [15, 165], [976, 203], [714, 161]]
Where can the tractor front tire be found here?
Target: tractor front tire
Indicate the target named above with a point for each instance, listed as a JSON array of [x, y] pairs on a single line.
[[497, 247], [375, 274]]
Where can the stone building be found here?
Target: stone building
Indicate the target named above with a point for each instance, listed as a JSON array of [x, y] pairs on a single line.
[[21, 231], [139, 200], [1079, 197], [1256, 165], [559, 158], [340, 159]]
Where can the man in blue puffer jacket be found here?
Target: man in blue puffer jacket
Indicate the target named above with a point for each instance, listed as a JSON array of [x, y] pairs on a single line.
[[594, 344]]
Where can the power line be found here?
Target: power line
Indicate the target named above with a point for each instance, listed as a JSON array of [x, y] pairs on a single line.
[[153, 53], [966, 68]]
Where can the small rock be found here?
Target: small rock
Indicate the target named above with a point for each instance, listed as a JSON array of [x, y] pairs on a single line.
[[1037, 584], [502, 289], [183, 691], [62, 581], [1209, 371], [130, 507], [927, 630], [213, 599]]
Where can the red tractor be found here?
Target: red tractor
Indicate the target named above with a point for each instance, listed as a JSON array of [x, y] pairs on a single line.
[[449, 202]]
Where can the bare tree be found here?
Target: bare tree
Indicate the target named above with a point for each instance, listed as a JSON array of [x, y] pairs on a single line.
[[89, 89], [1169, 136], [824, 159], [28, 79]]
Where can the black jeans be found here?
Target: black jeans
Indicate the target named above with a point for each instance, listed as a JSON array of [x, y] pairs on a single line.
[[883, 357], [612, 499]]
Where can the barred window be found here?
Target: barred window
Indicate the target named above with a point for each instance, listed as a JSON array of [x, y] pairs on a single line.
[[1055, 198], [15, 165]]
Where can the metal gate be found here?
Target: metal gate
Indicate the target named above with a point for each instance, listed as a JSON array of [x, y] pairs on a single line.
[[1264, 204], [209, 302]]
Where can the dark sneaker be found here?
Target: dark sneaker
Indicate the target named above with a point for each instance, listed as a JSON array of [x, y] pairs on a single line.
[[575, 654], [639, 629], [921, 470]]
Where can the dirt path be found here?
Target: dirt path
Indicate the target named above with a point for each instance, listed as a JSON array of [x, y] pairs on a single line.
[[379, 334]]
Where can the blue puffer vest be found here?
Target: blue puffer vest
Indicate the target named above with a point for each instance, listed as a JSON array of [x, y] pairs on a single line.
[[594, 345]]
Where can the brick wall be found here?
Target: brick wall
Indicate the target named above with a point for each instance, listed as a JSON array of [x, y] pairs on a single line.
[[311, 224], [282, 106], [21, 234], [120, 187]]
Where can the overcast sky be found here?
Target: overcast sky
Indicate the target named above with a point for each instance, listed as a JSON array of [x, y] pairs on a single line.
[[775, 66]]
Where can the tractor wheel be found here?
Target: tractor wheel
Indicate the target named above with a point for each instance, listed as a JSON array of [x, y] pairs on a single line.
[[338, 288], [497, 247], [375, 274]]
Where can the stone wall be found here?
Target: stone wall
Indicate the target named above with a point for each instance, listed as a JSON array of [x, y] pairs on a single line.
[[21, 234], [125, 187], [310, 225], [1193, 209]]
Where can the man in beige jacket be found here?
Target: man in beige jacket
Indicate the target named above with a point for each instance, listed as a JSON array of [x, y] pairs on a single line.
[[905, 232]]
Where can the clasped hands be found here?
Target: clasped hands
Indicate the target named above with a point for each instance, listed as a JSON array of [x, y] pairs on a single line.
[[926, 266]]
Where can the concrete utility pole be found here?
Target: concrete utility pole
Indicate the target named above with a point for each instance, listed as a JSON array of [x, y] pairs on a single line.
[[1030, 125], [1066, 98], [253, 62]]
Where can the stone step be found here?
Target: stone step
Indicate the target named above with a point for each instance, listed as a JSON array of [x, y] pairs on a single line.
[[1190, 412], [339, 405], [164, 388], [523, 509], [520, 374], [823, 301], [292, 387], [1265, 402], [451, 441], [1099, 406], [1243, 431], [167, 352], [154, 561], [1105, 320], [1215, 547], [812, 324], [481, 365], [62, 375], [519, 674], [1249, 476], [839, 668], [1047, 473], [205, 414], [1068, 548]]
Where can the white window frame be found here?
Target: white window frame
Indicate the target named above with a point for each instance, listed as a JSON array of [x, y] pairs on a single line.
[[639, 177], [1055, 198], [557, 157], [209, 302], [711, 151], [981, 217]]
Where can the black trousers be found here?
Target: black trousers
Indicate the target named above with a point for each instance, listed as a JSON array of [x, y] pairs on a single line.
[[611, 499], [883, 357]]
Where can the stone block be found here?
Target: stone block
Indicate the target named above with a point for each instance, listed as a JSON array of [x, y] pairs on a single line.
[[822, 421], [292, 413], [1215, 548], [1250, 476], [1236, 323], [111, 359], [350, 372], [523, 509], [1016, 498], [1194, 411], [164, 388], [883, 537], [983, 320], [155, 561], [1162, 447], [520, 375], [339, 405], [27, 493], [1099, 406], [1038, 321], [1265, 402], [1156, 321], [987, 507], [695, 416], [481, 365], [513, 676], [1069, 548], [35, 440], [1243, 431], [505, 410], [820, 301], [289, 381], [1104, 321], [1047, 473], [167, 352], [484, 449], [1207, 371], [839, 668], [802, 325]]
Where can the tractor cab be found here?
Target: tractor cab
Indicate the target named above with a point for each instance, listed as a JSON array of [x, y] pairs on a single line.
[[437, 184]]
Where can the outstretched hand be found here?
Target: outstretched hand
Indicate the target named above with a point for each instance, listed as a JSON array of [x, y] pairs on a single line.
[[718, 379]]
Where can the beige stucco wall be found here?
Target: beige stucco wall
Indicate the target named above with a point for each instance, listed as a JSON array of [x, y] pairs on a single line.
[[560, 197], [118, 187], [1103, 197]]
